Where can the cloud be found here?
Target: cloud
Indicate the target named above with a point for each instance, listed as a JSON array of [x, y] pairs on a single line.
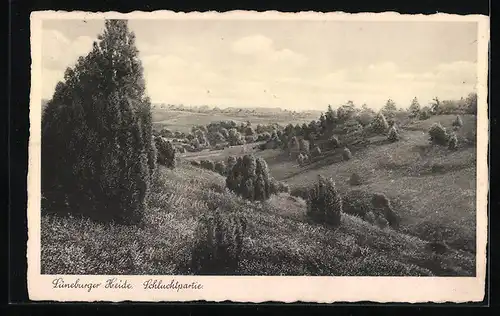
[[262, 47], [458, 72], [59, 52], [165, 63], [376, 83], [252, 45], [177, 79], [255, 70]]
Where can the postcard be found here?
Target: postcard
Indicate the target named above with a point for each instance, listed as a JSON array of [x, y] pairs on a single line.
[[258, 156]]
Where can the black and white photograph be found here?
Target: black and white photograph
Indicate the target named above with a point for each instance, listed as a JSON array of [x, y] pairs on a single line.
[[257, 147]]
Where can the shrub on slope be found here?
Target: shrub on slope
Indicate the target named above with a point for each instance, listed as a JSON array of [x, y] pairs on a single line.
[[166, 152], [324, 203], [219, 242], [371, 207], [438, 135], [250, 178]]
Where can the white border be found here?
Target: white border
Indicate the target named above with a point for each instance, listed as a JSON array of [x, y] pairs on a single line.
[[273, 288]]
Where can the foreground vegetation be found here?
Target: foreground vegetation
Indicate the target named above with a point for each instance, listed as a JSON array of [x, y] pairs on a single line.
[[280, 238]]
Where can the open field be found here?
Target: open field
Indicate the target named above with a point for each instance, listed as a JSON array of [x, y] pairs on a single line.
[[183, 120], [432, 189]]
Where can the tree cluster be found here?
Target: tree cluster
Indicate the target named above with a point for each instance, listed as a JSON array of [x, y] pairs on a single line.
[[324, 204], [249, 177]]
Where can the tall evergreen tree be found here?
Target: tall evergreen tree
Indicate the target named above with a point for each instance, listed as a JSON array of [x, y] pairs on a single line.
[[346, 111], [389, 109], [435, 106], [379, 124], [250, 178], [330, 118], [322, 123], [414, 108], [471, 103], [324, 203], [97, 150], [234, 137]]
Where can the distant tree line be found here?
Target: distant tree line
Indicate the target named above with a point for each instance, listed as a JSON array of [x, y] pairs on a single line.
[[219, 135], [236, 111], [356, 123]]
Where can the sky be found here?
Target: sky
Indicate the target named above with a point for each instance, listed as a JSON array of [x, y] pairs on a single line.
[[296, 65]]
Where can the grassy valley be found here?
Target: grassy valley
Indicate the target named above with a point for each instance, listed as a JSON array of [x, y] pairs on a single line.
[[184, 120]]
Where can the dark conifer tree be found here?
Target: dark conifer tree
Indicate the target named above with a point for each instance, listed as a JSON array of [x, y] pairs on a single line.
[[97, 149]]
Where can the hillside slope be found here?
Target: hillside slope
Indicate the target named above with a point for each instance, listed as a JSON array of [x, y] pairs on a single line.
[[432, 188], [279, 241]]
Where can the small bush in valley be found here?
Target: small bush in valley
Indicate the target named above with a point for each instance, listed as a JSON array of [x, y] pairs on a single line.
[[414, 109], [235, 138], [471, 137], [278, 186], [324, 204], [195, 163], [379, 124], [218, 244], [231, 161], [352, 127], [220, 146], [250, 178], [355, 179], [393, 135], [166, 152], [369, 206], [303, 146], [438, 134], [471, 103], [264, 137], [283, 187], [382, 207], [300, 159], [220, 167], [250, 139], [453, 142], [424, 114], [334, 142], [208, 164], [301, 192], [316, 152], [346, 154], [458, 122]]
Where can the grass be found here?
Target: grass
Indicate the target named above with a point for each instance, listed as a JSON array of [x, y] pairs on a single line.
[[431, 188], [434, 188], [183, 120], [280, 239]]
